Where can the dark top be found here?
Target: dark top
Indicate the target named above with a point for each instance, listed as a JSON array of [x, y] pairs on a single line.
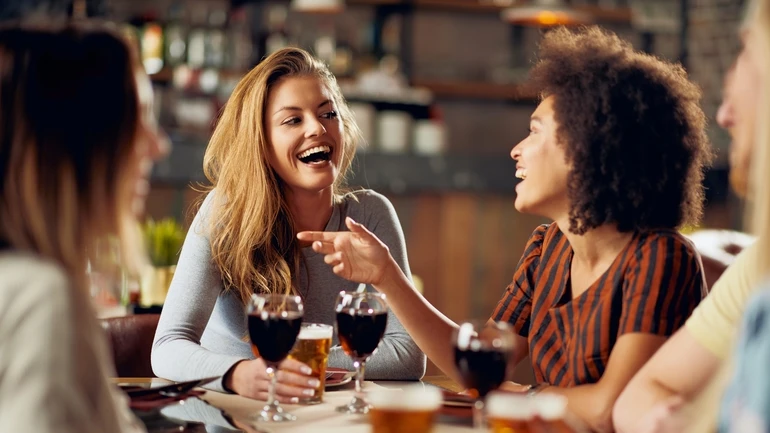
[[652, 287]]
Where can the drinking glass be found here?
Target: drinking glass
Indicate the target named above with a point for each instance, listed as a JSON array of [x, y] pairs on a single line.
[[482, 351], [361, 320], [312, 348], [274, 322]]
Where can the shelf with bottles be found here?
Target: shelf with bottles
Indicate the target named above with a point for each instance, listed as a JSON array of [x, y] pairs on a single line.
[[477, 90], [599, 13]]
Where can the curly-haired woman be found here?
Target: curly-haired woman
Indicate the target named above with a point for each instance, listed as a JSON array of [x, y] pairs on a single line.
[[615, 158], [277, 162]]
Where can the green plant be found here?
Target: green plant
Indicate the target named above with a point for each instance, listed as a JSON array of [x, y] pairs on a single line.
[[163, 240]]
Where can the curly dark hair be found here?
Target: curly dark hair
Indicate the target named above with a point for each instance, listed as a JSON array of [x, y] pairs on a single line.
[[632, 129]]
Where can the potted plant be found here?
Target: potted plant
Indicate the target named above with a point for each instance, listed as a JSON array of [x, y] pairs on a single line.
[[163, 240]]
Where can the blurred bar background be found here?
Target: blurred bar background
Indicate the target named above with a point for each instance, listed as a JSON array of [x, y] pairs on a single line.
[[436, 88]]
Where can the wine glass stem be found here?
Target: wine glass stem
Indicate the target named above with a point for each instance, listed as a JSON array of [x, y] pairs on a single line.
[[273, 382], [478, 414], [359, 364]]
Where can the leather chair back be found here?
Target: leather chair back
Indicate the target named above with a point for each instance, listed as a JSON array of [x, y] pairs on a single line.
[[131, 340]]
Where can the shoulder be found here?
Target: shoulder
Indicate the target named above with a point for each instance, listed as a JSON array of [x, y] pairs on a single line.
[[545, 234], [30, 274], [365, 204], [665, 244], [31, 283], [366, 198]]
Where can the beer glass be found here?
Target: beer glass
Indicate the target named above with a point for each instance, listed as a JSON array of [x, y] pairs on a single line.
[[509, 413], [552, 416], [482, 352], [274, 322], [361, 320], [411, 410], [312, 348]]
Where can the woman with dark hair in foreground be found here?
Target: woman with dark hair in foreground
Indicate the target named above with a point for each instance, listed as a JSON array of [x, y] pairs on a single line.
[[77, 140]]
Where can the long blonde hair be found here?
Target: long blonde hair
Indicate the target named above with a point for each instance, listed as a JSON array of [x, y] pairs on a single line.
[[252, 233], [758, 13], [69, 113]]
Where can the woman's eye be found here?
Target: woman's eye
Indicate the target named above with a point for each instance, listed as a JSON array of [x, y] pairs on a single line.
[[291, 121], [329, 115]]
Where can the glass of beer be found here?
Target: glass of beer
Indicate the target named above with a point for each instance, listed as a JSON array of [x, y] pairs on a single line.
[[361, 321], [482, 351], [274, 322], [510, 413], [312, 348], [551, 414], [411, 410]]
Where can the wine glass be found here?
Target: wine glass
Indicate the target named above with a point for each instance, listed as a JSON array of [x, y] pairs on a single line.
[[361, 320], [482, 351], [274, 323]]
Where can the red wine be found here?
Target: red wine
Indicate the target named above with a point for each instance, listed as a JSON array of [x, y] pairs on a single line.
[[482, 370], [274, 335], [360, 333]]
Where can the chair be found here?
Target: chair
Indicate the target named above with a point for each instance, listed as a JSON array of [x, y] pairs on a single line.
[[718, 250], [131, 340]]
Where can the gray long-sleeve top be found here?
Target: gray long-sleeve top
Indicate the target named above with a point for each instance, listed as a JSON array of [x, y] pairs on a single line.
[[202, 330]]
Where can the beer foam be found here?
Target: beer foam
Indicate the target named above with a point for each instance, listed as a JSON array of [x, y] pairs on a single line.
[[506, 405], [410, 398], [315, 333], [551, 407]]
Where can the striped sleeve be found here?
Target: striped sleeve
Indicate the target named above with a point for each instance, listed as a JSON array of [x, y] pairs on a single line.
[[663, 288], [516, 305]]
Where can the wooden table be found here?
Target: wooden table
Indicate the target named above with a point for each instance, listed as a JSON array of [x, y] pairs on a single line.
[[218, 412]]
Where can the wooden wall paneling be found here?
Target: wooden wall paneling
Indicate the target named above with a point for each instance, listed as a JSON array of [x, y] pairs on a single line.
[[458, 216], [487, 257], [419, 215]]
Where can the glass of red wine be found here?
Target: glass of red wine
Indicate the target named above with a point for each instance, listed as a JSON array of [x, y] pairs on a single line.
[[274, 323], [361, 320], [482, 351]]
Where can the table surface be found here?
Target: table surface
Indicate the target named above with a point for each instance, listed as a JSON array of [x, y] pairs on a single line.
[[220, 413]]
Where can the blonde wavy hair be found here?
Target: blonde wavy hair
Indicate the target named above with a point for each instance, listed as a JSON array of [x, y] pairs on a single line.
[[252, 232], [69, 113], [758, 19]]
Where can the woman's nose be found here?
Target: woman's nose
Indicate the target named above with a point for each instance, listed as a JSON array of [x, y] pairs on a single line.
[[516, 152], [160, 145], [315, 129]]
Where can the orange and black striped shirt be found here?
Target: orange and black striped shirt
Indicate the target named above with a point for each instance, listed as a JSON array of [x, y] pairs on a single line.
[[651, 287]]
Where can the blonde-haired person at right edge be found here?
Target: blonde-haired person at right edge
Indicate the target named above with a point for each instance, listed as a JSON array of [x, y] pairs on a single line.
[[680, 387], [276, 162]]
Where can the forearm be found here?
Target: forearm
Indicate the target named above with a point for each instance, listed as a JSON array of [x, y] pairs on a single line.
[[429, 328], [590, 403], [642, 394], [182, 360]]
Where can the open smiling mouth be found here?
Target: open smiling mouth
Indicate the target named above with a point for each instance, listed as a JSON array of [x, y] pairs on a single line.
[[316, 156]]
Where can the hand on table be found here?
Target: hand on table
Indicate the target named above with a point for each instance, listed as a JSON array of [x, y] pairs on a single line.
[[249, 379]]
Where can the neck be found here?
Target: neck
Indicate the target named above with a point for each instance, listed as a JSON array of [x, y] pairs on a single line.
[[310, 210], [597, 246]]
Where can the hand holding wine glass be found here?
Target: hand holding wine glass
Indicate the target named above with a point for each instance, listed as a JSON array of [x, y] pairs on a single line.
[[274, 323], [482, 352]]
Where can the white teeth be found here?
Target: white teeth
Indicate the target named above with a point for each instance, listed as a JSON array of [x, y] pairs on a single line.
[[521, 173], [313, 150]]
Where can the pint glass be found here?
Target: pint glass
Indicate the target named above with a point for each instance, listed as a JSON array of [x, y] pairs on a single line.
[[411, 410], [312, 348]]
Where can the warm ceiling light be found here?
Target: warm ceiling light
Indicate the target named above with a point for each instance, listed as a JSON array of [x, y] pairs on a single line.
[[318, 6], [544, 13]]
